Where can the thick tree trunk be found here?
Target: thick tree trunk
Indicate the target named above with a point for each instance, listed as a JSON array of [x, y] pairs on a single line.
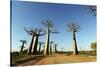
[[35, 44], [75, 50], [40, 48], [46, 50], [55, 48], [43, 48], [50, 50], [30, 47], [22, 48]]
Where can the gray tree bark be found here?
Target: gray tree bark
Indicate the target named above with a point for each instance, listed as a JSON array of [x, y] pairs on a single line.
[[46, 50], [30, 47], [35, 44], [75, 50], [50, 48], [55, 48], [22, 47], [40, 48]]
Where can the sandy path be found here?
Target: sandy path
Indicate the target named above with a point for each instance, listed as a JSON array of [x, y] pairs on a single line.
[[60, 59]]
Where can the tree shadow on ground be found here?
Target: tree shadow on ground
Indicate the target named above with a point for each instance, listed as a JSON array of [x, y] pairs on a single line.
[[25, 59]]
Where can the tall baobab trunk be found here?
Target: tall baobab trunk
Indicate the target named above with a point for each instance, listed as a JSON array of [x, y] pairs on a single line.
[[40, 48], [46, 50], [43, 48], [35, 43], [55, 48], [22, 47], [49, 27], [50, 48], [75, 50], [23, 42], [30, 47]]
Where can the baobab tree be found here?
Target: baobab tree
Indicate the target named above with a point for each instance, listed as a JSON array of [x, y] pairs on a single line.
[[49, 27], [74, 27], [51, 47], [43, 48], [34, 42], [31, 32], [40, 44], [22, 46], [55, 48]]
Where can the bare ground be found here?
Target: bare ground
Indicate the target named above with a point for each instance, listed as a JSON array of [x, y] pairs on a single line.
[[59, 59]]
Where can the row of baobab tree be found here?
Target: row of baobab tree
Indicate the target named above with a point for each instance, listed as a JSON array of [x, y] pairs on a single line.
[[36, 33]]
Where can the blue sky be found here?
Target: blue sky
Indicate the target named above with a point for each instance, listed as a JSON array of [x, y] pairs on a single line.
[[26, 14]]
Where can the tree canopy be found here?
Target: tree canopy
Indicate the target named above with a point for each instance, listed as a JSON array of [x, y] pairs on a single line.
[[93, 46]]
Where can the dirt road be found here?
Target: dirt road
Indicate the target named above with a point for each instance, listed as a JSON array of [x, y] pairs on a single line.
[[60, 59]]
